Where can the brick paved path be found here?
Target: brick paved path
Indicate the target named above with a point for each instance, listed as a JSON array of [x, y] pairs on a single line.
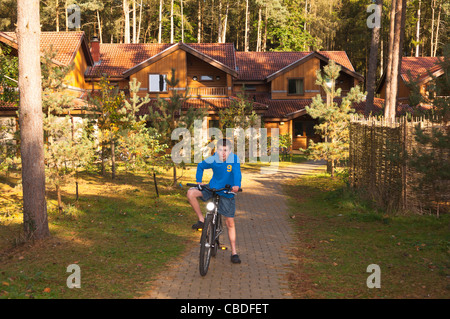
[[263, 239]]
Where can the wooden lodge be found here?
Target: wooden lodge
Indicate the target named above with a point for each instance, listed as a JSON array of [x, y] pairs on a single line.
[[279, 84]]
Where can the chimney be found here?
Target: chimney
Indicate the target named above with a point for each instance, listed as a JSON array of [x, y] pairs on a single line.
[[95, 49]]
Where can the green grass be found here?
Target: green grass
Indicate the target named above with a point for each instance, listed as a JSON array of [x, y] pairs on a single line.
[[339, 235], [119, 233]]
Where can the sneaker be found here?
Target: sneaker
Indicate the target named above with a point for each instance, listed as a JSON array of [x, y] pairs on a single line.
[[235, 259], [198, 225]]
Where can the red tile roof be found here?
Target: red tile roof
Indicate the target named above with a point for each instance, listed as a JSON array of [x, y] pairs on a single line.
[[209, 104], [279, 108], [257, 66], [339, 57], [287, 108], [66, 44], [417, 68], [222, 52], [118, 58]]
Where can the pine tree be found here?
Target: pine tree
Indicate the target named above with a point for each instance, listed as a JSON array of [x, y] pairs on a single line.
[[67, 146], [240, 114], [106, 112], [168, 115], [8, 93], [431, 157], [139, 145], [333, 118], [9, 142], [240, 117], [8, 75]]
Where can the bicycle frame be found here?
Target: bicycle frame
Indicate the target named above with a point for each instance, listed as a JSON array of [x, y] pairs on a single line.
[[216, 221]]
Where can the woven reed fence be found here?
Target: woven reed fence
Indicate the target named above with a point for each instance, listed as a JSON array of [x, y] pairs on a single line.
[[380, 165]]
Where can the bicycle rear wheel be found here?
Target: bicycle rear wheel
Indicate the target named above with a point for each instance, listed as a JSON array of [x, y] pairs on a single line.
[[206, 245]]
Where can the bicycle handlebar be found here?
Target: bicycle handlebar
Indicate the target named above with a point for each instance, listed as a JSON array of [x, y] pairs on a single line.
[[227, 188]]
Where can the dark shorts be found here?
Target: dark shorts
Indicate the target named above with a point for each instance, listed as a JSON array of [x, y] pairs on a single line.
[[227, 206]]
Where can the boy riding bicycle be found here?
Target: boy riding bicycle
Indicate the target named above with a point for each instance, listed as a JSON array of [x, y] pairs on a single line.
[[226, 171]]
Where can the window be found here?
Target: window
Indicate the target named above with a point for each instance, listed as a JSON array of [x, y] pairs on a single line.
[[295, 86], [206, 77], [213, 123], [157, 83], [249, 88]]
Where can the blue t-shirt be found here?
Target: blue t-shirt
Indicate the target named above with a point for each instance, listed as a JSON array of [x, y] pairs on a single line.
[[224, 172]]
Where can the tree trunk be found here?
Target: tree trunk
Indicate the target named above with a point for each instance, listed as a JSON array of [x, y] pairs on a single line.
[[139, 26], [306, 14], [264, 42], [174, 176], [212, 22], [381, 55], [332, 168], [433, 6], [437, 30], [373, 59], [396, 58], [219, 29], [199, 22], [225, 24], [35, 219], [246, 46], [418, 30], [171, 23], [182, 20], [258, 40], [389, 58], [103, 161], [67, 17], [100, 33], [134, 22], [113, 160], [57, 15], [58, 194], [126, 12], [160, 21]]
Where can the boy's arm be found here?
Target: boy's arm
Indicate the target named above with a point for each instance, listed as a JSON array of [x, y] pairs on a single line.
[[200, 168], [237, 175]]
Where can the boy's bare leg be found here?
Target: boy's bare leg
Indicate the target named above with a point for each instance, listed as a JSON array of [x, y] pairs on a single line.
[[231, 233], [192, 196]]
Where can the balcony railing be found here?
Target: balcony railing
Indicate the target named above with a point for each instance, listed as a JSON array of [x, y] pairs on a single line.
[[207, 91]]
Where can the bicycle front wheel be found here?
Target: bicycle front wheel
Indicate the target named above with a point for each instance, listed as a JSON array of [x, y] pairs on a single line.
[[206, 245], [217, 230]]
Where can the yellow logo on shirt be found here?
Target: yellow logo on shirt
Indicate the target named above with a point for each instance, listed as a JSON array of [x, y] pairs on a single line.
[[229, 167]]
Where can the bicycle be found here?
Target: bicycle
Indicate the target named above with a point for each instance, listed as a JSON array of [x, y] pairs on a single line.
[[212, 229]]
